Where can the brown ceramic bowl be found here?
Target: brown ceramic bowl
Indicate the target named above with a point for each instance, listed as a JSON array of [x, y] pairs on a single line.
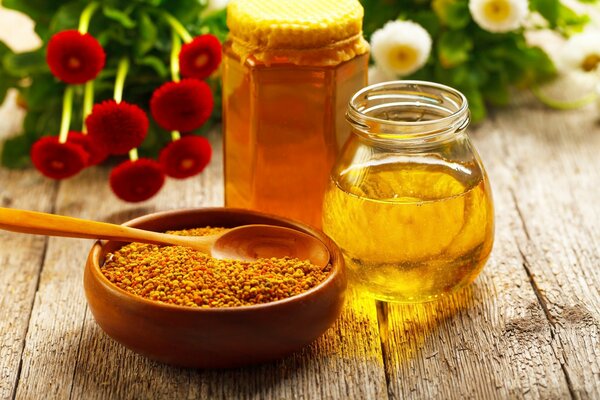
[[213, 337]]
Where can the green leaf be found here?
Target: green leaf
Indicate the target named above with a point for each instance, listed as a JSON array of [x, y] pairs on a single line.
[[476, 104], [454, 48], [45, 89], [496, 90], [147, 34], [156, 64], [5, 83], [428, 20], [452, 13], [25, 64], [67, 17], [119, 16], [375, 16], [185, 11], [15, 152], [569, 22], [216, 24], [549, 9]]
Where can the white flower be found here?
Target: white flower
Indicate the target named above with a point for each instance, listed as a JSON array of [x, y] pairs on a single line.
[[581, 52], [400, 47], [215, 5], [499, 15]]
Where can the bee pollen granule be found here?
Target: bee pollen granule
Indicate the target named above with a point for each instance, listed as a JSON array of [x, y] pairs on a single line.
[[186, 277]]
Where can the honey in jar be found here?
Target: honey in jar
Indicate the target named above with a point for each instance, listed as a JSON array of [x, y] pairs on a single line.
[[409, 202], [289, 70]]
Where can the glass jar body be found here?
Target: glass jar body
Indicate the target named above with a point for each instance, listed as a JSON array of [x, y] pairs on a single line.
[[414, 219], [283, 128]]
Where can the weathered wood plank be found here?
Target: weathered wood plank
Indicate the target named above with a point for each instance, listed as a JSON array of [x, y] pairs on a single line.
[[20, 256], [556, 191]]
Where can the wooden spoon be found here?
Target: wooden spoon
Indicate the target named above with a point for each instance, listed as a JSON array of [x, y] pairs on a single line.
[[245, 243]]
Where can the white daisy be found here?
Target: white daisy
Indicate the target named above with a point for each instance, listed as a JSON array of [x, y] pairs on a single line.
[[582, 52], [215, 5], [499, 15], [400, 47]]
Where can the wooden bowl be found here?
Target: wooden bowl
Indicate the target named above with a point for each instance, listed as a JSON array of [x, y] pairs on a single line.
[[213, 337]]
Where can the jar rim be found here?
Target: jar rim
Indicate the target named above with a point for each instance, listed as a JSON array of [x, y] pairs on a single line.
[[425, 95]]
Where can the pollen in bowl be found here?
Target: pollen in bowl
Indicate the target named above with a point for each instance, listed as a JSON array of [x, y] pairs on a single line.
[[411, 231]]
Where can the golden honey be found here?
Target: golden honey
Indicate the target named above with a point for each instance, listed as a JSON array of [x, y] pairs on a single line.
[[412, 231], [289, 70]]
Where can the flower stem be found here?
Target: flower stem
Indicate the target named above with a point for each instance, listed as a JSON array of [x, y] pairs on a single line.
[[133, 154], [66, 115], [86, 16], [120, 80], [88, 103], [175, 49], [177, 26], [175, 135]]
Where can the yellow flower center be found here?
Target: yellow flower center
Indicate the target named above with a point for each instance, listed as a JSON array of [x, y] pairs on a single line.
[[186, 164], [74, 62], [590, 63], [497, 10], [403, 57], [201, 60], [57, 165]]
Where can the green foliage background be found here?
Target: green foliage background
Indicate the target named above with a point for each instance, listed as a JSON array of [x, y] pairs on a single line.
[[481, 64], [124, 28]]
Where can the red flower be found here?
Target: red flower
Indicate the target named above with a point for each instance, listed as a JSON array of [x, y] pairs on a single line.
[[138, 180], [201, 57], [74, 57], [185, 157], [182, 106], [58, 160], [115, 127], [96, 155]]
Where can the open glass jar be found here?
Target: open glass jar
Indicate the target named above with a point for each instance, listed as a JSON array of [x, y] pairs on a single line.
[[409, 202]]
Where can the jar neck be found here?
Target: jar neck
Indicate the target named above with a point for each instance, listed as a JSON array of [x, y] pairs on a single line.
[[408, 113]]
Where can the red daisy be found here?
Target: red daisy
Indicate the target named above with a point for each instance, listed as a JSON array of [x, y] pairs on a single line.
[[182, 106], [58, 160], [201, 57], [115, 127], [138, 180], [74, 57], [96, 155], [185, 157]]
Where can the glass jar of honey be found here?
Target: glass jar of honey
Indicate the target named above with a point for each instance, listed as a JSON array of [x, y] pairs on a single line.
[[289, 70], [409, 202]]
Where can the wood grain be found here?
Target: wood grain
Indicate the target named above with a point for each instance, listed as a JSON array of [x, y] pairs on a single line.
[[21, 256], [556, 195]]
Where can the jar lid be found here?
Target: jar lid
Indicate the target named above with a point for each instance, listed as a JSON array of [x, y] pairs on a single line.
[[303, 31]]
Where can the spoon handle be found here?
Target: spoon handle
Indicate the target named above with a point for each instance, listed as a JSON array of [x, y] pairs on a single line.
[[39, 223]]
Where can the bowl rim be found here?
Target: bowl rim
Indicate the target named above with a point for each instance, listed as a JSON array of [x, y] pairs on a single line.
[[335, 255]]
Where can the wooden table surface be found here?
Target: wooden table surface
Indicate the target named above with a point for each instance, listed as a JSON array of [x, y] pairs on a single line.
[[529, 327]]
